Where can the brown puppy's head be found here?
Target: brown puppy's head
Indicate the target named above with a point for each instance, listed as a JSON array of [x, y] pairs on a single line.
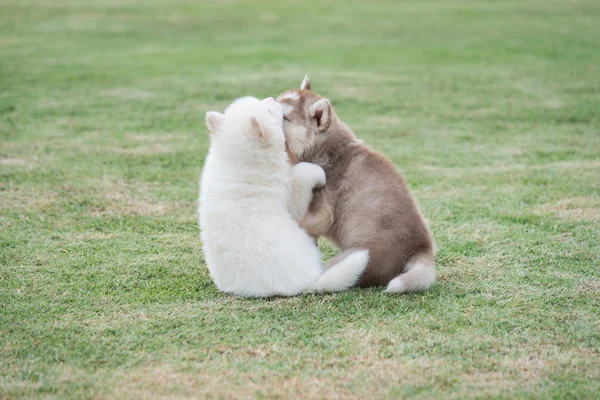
[[306, 118]]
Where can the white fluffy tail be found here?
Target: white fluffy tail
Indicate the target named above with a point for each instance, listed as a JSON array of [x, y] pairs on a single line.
[[419, 275], [342, 275]]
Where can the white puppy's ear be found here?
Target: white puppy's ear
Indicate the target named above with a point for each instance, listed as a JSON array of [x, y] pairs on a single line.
[[305, 85], [320, 111], [256, 129], [213, 121]]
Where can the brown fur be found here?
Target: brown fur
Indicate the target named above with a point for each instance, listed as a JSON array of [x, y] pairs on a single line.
[[365, 203]]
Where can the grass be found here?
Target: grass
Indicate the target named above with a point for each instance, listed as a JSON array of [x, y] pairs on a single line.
[[489, 108]]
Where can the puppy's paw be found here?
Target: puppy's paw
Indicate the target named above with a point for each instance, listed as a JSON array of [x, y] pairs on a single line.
[[320, 178], [311, 174]]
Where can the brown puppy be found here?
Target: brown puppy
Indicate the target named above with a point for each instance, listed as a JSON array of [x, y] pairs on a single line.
[[365, 203]]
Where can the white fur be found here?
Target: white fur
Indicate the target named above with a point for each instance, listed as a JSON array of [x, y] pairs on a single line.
[[303, 176], [419, 275], [214, 120], [250, 199], [343, 274], [286, 108]]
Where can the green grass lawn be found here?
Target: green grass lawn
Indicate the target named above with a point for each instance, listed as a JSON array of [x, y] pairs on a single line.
[[491, 109]]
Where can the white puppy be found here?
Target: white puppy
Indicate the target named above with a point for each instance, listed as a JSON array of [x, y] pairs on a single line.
[[251, 200]]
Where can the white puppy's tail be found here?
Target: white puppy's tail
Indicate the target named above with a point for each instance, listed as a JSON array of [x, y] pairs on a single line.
[[342, 275], [418, 275]]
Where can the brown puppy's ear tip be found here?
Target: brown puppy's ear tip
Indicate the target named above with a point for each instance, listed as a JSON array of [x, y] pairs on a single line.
[[305, 85]]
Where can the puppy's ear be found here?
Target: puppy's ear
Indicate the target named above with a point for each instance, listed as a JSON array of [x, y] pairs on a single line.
[[213, 121], [320, 111], [257, 130], [305, 85]]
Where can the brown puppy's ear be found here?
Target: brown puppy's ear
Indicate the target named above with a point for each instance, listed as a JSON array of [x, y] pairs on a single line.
[[320, 111], [256, 129], [305, 85], [213, 121]]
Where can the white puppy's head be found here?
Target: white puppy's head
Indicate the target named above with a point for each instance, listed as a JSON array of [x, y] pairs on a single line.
[[307, 117], [248, 128]]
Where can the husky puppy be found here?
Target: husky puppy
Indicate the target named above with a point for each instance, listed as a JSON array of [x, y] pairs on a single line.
[[251, 200], [365, 204]]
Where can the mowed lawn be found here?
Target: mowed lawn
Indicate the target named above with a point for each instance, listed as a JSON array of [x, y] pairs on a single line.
[[491, 109]]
